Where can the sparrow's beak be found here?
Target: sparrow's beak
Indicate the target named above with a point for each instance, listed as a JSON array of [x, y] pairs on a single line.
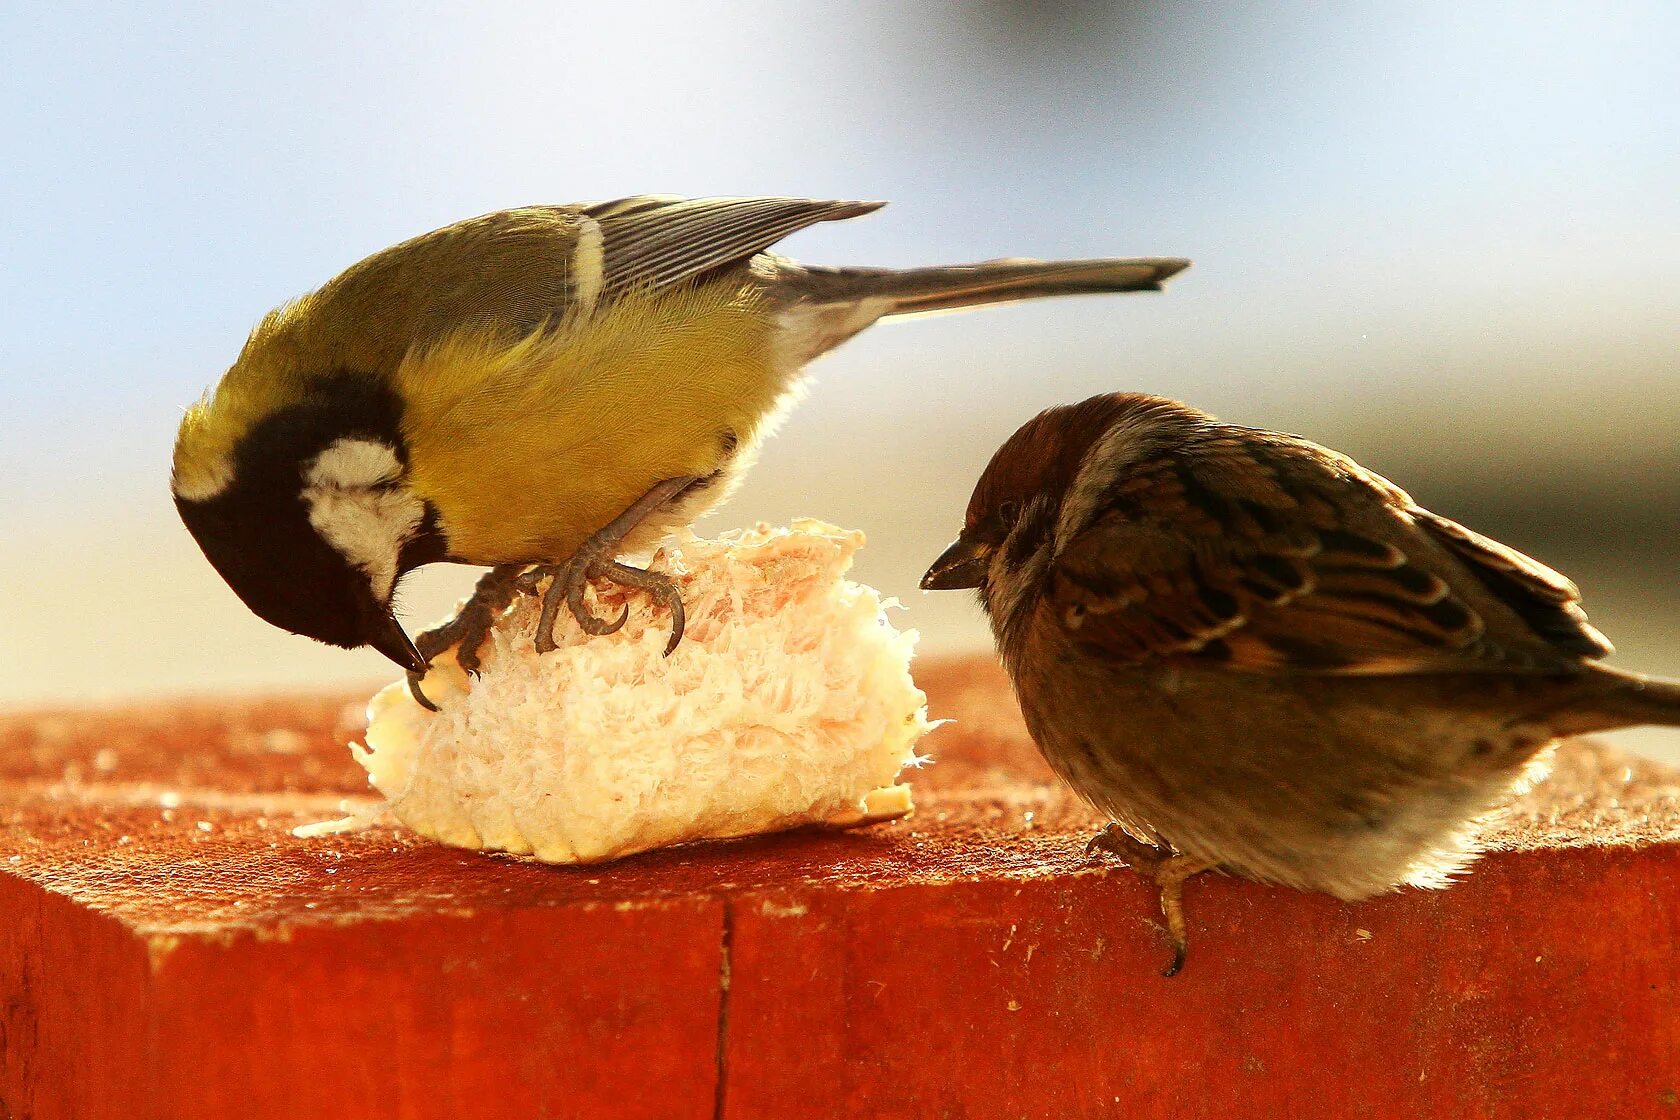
[[962, 565], [394, 642]]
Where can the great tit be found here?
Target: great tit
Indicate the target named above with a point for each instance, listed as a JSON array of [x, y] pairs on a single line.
[[551, 385]]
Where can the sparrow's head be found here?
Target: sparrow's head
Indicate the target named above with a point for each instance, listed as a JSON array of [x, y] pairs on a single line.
[[1048, 482], [299, 502]]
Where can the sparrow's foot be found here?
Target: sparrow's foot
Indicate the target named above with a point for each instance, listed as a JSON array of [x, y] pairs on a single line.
[[469, 628], [1135, 853], [596, 560], [1167, 869]]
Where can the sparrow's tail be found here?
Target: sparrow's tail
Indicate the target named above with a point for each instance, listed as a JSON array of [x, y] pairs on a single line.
[[1623, 700], [829, 305]]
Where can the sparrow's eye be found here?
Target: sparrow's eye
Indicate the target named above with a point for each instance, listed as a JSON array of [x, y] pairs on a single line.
[[1009, 512]]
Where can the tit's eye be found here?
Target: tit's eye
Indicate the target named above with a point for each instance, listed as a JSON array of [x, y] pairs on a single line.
[[1009, 512]]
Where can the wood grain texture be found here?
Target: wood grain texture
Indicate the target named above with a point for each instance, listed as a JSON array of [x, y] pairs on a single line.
[[168, 949]]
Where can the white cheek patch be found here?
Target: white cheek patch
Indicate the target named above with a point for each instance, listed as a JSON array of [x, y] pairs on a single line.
[[354, 464], [356, 507]]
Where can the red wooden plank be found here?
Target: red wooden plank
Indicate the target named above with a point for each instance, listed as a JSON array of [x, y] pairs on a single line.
[[72, 1009], [1546, 985], [572, 1011], [168, 949]]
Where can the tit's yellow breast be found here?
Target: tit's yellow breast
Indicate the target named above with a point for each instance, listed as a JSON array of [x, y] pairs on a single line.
[[527, 449]]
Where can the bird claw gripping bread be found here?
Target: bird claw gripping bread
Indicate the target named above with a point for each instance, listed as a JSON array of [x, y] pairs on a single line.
[[789, 703]]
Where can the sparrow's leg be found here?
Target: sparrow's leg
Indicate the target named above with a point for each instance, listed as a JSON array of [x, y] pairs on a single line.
[[1169, 872], [470, 626], [596, 560]]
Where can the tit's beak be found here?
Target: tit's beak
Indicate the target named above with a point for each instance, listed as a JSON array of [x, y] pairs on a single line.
[[394, 642], [962, 565]]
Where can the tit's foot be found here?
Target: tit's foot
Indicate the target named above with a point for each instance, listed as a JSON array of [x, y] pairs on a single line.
[[590, 563], [1167, 869], [595, 560], [469, 628]]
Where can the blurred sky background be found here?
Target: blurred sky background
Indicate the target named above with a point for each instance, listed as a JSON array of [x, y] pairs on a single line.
[[1442, 237]]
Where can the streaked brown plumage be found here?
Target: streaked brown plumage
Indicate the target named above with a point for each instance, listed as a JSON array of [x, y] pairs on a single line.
[[1248, 649]]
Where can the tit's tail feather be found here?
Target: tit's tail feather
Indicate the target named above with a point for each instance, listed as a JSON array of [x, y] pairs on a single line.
[[1624, 700], [911, 291], [823, 307]]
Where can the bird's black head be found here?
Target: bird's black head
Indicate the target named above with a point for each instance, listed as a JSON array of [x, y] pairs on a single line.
[[312, 524]]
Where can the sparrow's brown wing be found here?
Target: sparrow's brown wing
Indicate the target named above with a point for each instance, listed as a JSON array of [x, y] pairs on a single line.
[[1265, 553], [1547, 601]]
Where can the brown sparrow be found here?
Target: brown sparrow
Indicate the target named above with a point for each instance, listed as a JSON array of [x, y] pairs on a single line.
[[1254, 654]]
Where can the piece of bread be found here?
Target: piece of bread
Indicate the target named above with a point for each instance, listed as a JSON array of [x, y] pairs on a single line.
[[788, 703]]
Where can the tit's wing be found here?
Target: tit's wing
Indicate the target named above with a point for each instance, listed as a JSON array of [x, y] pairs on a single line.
[[1265, 553], [654, 240], [515, 271]]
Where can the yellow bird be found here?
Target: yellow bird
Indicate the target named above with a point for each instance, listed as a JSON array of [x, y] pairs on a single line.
[[549, 386]]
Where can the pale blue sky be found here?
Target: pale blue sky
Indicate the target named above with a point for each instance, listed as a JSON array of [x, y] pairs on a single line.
[[1420, 231]]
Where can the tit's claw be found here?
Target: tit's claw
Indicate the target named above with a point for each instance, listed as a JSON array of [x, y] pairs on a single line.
[[567, 582], [571, 578], [665, 593], [662, 590], [418, 693], [679, 619], [594, 560], [552, 598], [587, 620], [590, 624], [469, 628]]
